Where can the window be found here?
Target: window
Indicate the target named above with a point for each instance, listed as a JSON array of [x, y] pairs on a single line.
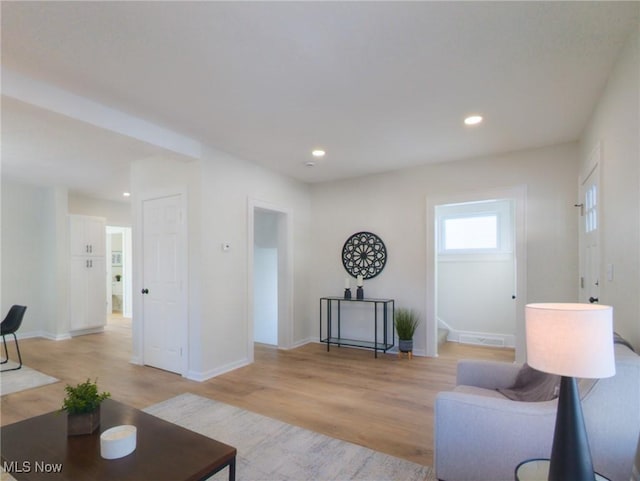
[[591, 209], [475, 227], [476, 232]]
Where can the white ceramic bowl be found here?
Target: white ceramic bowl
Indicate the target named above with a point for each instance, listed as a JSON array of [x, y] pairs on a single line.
[[117, 442]]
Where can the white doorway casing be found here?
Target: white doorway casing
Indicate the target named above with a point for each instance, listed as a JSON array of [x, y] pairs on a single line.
[[284, 278], [518, 195]]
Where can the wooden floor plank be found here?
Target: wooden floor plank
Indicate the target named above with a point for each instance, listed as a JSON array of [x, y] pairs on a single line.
[[385, 404]]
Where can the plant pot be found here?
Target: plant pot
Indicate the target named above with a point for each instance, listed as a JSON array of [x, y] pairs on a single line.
[[405, 345], [83, 423]]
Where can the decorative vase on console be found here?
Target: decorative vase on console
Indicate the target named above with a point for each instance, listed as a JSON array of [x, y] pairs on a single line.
[[360, 290], [347, 288]]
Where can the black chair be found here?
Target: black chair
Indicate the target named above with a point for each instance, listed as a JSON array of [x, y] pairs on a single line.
[[10, 325]]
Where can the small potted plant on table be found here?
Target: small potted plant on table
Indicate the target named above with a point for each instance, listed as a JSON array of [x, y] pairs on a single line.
[[406, 321], [82, 404]]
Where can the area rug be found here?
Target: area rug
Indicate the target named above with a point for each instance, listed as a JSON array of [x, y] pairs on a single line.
[[271, 450], [22, 379]]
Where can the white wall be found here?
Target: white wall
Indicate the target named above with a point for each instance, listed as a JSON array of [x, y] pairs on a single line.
[[475, 295], [228, 185], [116, 213], [218, 189], [34, 253], [393, 206], [616, 124], [162, 176]]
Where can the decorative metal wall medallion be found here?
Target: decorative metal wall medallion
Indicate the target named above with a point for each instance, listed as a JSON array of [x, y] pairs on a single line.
[[364, 254]]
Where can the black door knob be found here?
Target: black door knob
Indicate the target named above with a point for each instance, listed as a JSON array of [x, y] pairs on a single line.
[[145, 291], [593, 300]]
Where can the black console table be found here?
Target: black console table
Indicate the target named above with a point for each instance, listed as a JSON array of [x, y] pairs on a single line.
[[386, 306]]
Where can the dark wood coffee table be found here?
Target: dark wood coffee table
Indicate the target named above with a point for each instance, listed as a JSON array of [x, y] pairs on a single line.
[[35, 448]]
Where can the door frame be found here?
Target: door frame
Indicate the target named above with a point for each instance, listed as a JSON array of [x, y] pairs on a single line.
[[593, 166], [138, 276], [127, 293], [285, 273], [518, 194]]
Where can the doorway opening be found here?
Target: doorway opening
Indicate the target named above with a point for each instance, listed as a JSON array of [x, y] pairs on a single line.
[[119, 275], [271, 277], [476, 263], [476, 269]]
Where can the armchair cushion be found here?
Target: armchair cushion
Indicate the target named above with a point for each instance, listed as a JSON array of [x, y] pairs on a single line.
[[532, 385], [486, 374]]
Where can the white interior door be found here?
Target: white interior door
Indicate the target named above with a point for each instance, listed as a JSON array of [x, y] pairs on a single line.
[[164, 304], [590, 237]]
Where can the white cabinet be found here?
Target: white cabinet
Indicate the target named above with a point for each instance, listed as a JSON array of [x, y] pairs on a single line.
[[88, 273], [87, 235]]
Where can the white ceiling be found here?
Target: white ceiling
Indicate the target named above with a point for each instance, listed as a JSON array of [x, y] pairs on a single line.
[[45, 148], [378, 85]]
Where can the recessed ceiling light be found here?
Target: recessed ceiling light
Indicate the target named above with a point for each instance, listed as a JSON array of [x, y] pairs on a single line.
[[473, 120], [310, 163], [318, 153], [126, 194]]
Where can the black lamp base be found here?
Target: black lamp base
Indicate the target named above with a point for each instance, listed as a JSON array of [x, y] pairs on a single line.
[[570, 454]]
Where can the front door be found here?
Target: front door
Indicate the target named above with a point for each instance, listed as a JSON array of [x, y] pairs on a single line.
[[164, 304], [589, 236]]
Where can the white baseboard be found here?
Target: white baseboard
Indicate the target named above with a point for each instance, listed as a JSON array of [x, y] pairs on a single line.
[[492, 339], [301, 343], [42, 334], [482, 338], [82, 332], [201, 376], [56, 337]]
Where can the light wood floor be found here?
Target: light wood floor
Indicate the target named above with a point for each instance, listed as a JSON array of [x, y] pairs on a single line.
[[385, 404]]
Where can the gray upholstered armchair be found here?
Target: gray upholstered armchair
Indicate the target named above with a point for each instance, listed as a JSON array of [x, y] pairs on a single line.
[[480, 435]]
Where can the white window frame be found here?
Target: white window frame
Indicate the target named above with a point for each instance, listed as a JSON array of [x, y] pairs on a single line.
[[500, 209]]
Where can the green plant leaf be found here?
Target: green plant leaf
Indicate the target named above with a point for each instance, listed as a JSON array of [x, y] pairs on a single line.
[[406, 321], [83, 398]]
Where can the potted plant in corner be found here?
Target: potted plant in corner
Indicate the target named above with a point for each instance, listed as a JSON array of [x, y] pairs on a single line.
[[406, 321], [82, 404]]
